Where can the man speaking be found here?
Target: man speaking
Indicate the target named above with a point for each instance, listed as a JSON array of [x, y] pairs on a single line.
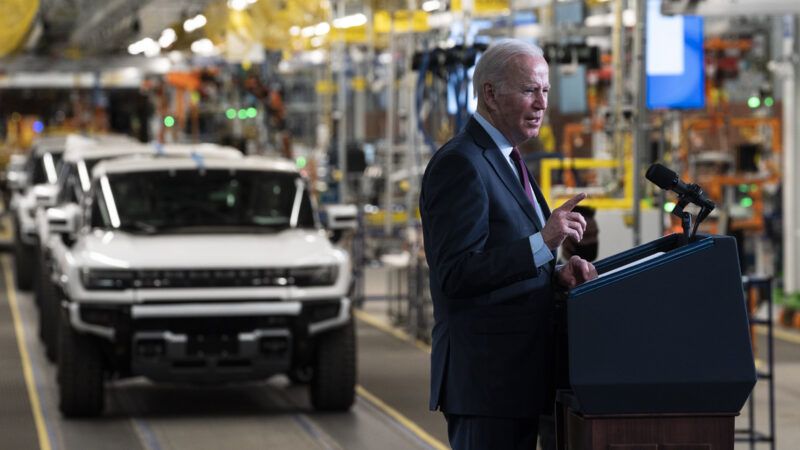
[[490, 241]]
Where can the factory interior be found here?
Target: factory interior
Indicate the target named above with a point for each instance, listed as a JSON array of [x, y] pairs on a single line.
[[211, 233]]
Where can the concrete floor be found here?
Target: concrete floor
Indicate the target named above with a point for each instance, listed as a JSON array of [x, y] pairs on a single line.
[[270, 415]]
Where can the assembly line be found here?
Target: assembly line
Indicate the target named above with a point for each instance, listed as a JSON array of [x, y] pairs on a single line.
[[399, 224]]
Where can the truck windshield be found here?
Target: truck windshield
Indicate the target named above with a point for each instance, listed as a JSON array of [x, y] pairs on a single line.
[[195, 200]]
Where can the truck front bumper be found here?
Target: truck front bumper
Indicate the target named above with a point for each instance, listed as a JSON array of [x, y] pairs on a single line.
[[211, 342]]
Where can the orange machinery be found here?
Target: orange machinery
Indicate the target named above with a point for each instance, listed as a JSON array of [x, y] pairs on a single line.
[[714, 185]]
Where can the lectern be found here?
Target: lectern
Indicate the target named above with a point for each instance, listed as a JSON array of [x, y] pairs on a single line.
[[658, 350]]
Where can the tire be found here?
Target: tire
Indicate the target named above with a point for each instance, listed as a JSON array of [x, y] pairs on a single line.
[[333, 384], [80, 373], [23, 260], [49, 311]]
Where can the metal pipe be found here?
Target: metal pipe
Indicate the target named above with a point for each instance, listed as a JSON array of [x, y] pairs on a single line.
[[390, 113], [641, 131], [791, 140], [617, 80], [411, 133], [341, 107]]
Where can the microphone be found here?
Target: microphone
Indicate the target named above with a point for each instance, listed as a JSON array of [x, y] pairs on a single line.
[[668, 180]]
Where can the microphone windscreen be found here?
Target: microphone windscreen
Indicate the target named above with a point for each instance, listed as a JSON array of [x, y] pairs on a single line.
[[661, 176]]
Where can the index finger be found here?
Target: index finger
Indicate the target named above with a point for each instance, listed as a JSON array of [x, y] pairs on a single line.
[[573, 202]]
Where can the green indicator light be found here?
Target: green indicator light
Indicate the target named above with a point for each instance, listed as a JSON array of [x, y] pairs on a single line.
[[252, 112], [169, 121], [243, 114], [743, 188], [230, 113], [769, 102], [753, 102], [669, 206], [301, 162], [746, 202]]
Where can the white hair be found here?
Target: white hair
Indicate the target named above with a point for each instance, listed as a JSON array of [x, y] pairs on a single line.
[[493, 67]]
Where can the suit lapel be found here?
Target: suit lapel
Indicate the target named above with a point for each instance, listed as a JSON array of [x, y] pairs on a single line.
[[501, 167]]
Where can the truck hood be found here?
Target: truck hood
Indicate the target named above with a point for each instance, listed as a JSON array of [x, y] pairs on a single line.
[[289, 248]]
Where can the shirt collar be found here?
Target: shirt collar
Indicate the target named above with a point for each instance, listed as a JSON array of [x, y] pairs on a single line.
[[499, 140]]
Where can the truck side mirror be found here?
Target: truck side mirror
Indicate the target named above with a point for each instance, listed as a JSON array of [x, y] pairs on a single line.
[[338, 218], [64, 220], [45, 194]]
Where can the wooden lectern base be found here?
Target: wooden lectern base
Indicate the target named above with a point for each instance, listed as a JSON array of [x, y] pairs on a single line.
[[575, 431]]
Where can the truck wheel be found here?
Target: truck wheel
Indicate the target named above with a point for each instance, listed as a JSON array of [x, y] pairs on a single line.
[[80, 373], [23, 260], [334, 380], [49, 308]]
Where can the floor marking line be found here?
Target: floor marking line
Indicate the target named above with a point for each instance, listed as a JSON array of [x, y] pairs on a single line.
[[315, 432], [308, 425], [145, 433], [375, 322], [399, 417], [27, 370], [364, 404]]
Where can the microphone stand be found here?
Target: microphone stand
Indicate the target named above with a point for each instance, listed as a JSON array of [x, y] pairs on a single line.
[[686, 219]]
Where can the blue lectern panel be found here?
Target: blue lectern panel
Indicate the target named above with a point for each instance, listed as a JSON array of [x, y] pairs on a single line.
[[669, 335]]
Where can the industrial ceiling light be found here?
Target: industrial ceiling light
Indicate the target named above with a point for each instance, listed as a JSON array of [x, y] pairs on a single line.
[[151, 48], [135, 48], [203, 47], [294, 31], [431, 5], [168, 37], [147, 46], [322, 28], [194, 23], [351, 21], [240, 5], [307, 32]]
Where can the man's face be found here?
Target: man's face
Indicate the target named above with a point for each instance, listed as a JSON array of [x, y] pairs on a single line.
[[522, 99]]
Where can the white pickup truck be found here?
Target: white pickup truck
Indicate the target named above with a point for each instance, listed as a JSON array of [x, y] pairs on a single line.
[[74, 182], [200, 271]]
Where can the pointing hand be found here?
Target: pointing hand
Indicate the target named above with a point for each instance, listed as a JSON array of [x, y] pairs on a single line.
[[564, 222]]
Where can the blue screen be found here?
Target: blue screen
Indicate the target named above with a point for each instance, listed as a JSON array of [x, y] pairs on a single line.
[[686, 90]]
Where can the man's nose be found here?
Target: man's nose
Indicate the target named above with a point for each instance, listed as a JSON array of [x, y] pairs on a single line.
[[540, 102]]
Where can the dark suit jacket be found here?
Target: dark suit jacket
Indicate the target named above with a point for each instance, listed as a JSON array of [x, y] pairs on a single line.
[[493, 337]]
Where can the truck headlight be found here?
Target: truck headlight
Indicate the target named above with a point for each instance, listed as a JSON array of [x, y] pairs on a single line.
[[314, 276], [107, 279]]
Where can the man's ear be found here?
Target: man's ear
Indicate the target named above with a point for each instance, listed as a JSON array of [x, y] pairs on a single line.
[[490, 96]]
